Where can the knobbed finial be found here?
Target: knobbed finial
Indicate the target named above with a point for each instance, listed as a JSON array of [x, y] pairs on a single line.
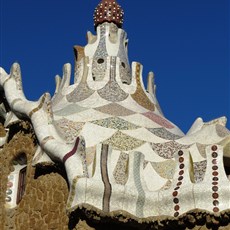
[[108, 11]]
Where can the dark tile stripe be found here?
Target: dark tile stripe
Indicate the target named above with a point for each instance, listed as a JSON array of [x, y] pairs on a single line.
[[71, 153], [39, 106], [105, 178]]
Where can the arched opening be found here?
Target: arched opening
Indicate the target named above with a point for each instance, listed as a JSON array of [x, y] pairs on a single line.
[[226, 159], [100, 61], [227, 166]]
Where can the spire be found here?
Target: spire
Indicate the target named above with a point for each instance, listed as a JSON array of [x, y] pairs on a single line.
[[108, 11]]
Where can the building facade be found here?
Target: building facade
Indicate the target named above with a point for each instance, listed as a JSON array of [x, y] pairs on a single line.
[[100, 154]]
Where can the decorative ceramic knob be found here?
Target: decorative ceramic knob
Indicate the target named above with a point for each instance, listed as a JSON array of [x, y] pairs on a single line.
[[9, 184], [108, 11], [8, 199], [8, 192]]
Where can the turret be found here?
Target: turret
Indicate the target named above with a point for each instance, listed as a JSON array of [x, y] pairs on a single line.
[[110, 41]]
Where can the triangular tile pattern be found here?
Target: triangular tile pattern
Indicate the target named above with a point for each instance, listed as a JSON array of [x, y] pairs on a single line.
[[167, 149], [164, 133], [69, 129], [115, 123], [82, 91], [123, 142], [69, 110], [115, 110], [165, 169], [159, 120]]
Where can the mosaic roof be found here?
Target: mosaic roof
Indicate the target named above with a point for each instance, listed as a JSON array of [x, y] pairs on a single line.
[[119, 152]]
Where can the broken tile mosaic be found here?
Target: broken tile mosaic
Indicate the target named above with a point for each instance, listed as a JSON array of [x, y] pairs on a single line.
[[123, 142], [164, 133], [165, 169], [159, 120], [69, 129], [167, 149], [139, 96], [115, 123], [112, 91], [115, 110], [120, 172]]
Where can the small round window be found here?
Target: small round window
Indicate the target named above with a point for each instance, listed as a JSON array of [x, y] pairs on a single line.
[[123, 64], [100, 61]]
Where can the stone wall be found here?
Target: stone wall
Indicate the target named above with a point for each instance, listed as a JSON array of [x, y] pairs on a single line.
[[44, 201]]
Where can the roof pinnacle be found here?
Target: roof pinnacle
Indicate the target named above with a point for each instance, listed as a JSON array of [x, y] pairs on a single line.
[[108, 11]]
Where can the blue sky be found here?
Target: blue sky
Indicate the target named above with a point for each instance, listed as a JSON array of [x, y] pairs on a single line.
[[185, 42]]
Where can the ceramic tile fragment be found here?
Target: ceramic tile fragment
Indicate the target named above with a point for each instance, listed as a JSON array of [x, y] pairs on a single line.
[[115, 123], [165, 169], [199, 169], [112, 91], [69, 129], [159, 120], [69, 110], [139, 96], [120, 171], [164, 133], [222, 131], [123, 142], [167, 149], [115, 110]]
